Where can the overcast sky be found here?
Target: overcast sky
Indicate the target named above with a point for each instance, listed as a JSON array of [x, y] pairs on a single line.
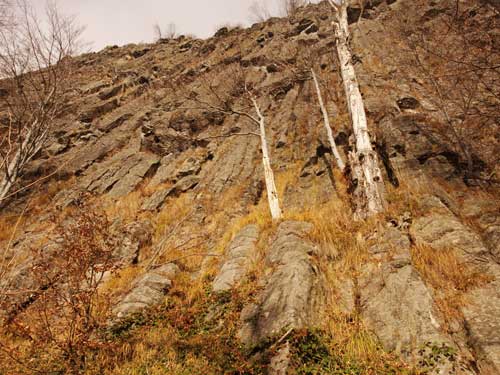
[[120, 22]]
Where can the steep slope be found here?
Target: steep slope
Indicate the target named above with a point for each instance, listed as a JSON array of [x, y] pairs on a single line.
[[202, 281]]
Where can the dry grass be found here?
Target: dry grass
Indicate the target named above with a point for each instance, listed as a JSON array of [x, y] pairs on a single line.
[[358, 348], [120, 281], [450, 277], [125, 208]]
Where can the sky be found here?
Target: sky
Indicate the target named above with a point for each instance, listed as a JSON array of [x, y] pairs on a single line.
[[110, 22]]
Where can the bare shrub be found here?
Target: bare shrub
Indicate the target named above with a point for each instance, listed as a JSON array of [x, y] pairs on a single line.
[[61, 326]]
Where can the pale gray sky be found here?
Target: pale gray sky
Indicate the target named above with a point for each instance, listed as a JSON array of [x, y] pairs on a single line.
[[120, 22]]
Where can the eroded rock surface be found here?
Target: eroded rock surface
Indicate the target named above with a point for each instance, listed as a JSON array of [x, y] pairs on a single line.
[[147, 291], [393, 295], [239, 254], [290, 297]]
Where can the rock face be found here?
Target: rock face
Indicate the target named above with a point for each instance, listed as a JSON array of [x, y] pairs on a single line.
[[133, 139], [394, 295], [440, 228], [147, 291], [290, 297], [133, 238], [239, 254], [481, 317]]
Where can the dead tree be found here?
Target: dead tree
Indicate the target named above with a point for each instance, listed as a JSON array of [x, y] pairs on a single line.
[[367, 177], [326, 121], [224, 100], [170, 32], [35, 64], [259, 12], [290, 7]]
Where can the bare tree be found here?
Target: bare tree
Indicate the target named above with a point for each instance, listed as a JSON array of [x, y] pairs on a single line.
[[170, 32], [290, 7], [227, 100], [66, 311], [259, 11], [367, 177], [36, 65], [5, 13], [326, 121], [458, 72]]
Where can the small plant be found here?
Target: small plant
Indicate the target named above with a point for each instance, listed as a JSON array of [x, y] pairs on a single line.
[[433, 354]]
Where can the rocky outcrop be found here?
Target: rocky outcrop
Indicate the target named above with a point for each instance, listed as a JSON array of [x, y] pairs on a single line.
[[155, 202], [239, 254], [290, 296], [440, 228], [392, 294], [132, 238], [482, 324], [147, 291]]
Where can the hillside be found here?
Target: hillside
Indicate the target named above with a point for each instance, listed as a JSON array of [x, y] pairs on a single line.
[[147, 210]]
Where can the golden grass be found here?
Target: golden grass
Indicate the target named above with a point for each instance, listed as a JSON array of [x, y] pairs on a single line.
[[450, 277], [126, 208], [121, 280]]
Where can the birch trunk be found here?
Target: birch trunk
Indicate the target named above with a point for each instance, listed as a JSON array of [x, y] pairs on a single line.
[[367, 177], [326, 120], [272, 193], [30, 146]]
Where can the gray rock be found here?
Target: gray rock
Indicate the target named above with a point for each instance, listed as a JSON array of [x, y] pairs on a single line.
[[156, 201], [398, 307], [439, 166], [189, 167], [134, 176], [482, 316], [445, 230], [133, 238], [166, 171], [486, 215], [147, 291], [396, 304], [289, 299], [280, 362], [233, 164], [238, 253]]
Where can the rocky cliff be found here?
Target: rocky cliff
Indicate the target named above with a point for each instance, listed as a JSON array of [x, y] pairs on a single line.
[[199, 279]]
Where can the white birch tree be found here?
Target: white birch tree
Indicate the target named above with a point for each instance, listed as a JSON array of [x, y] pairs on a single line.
[[326, 122], [363, 160], [34, 64], [272, 193], [221, 101]]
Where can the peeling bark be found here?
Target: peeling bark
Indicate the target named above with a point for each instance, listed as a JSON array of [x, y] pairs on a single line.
[[272, 193], [367, 177]]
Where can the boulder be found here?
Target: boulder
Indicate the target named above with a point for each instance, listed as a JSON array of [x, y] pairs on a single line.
[[239, 254], [290, 296], [133, 237], [146, 291]]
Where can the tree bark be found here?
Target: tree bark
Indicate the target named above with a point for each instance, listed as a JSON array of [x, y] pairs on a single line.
[[326, 120], [33, 141], [272, 193], [367, 177]]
